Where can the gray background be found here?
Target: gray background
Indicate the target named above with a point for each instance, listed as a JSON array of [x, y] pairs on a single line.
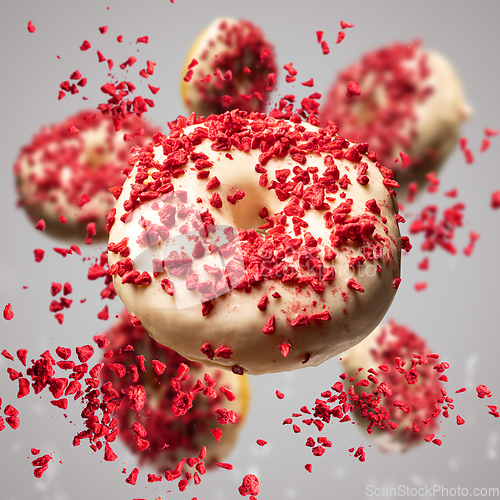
[[456, 314]]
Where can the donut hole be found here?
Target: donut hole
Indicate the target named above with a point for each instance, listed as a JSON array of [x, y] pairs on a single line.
[[96, 155]]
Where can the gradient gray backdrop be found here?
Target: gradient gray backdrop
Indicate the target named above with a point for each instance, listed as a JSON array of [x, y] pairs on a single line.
[[458, 314]]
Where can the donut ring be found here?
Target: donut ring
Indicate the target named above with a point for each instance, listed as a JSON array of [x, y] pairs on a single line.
[[184, 434], [382, 347], [304, 222], [235, 46], [67, 169], [411, 101]]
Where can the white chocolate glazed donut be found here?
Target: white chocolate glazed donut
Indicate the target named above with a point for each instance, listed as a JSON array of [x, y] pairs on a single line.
[[183, 435], [237, 46], [411, 101], [68, 167], [314, 277], [381, 347]]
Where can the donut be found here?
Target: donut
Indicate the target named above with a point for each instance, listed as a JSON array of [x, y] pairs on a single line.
[[234, 60], [66, 170], [172, 438], [400, 98], [273, 240], [411, 404]]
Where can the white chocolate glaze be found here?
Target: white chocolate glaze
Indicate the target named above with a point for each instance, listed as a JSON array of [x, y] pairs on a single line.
[[235, 321]]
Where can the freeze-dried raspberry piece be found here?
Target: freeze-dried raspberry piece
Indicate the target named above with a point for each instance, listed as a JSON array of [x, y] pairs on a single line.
[[269, 327], [345, 25], [21, 355], [132, 478], [249, 485], [230, 396], [84, 353], [142, 444], [8, 314], [216, 433], [261, 442], [137, 395], [354, 285], [285, 349], [109, 454], [24, 388], [31, 27], [224, 465], [158, 366], [118, 369], [483, 391], [353, 89], [39, 254], [495, 200], [104, 314]]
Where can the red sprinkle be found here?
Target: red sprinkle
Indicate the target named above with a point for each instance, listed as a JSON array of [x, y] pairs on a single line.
[[483, 391], [8, 314], [353, 89], [249, 486], [85, 45]]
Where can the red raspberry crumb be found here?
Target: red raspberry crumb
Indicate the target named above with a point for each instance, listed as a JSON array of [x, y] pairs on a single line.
[[132, 478], [40, 225], [269, 327], [249, 485], [495, 200], [39, 254], [104, 314], [340, 36], [230, 396], [308, 467], [8, 314], [216, 433], [345, 25], [285, 349], [85, 45], [31, 27], [224, 465], [483, 391], [261, 442], [420, 286], [353, 89], [84, 353], [354, 285], [279, 395]]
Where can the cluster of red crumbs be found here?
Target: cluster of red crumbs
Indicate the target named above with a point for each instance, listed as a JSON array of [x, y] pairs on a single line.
[[100, 269], [165, 427], [400, 400], [63, 303], [238, 74], [119, 105], [485, 144]]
